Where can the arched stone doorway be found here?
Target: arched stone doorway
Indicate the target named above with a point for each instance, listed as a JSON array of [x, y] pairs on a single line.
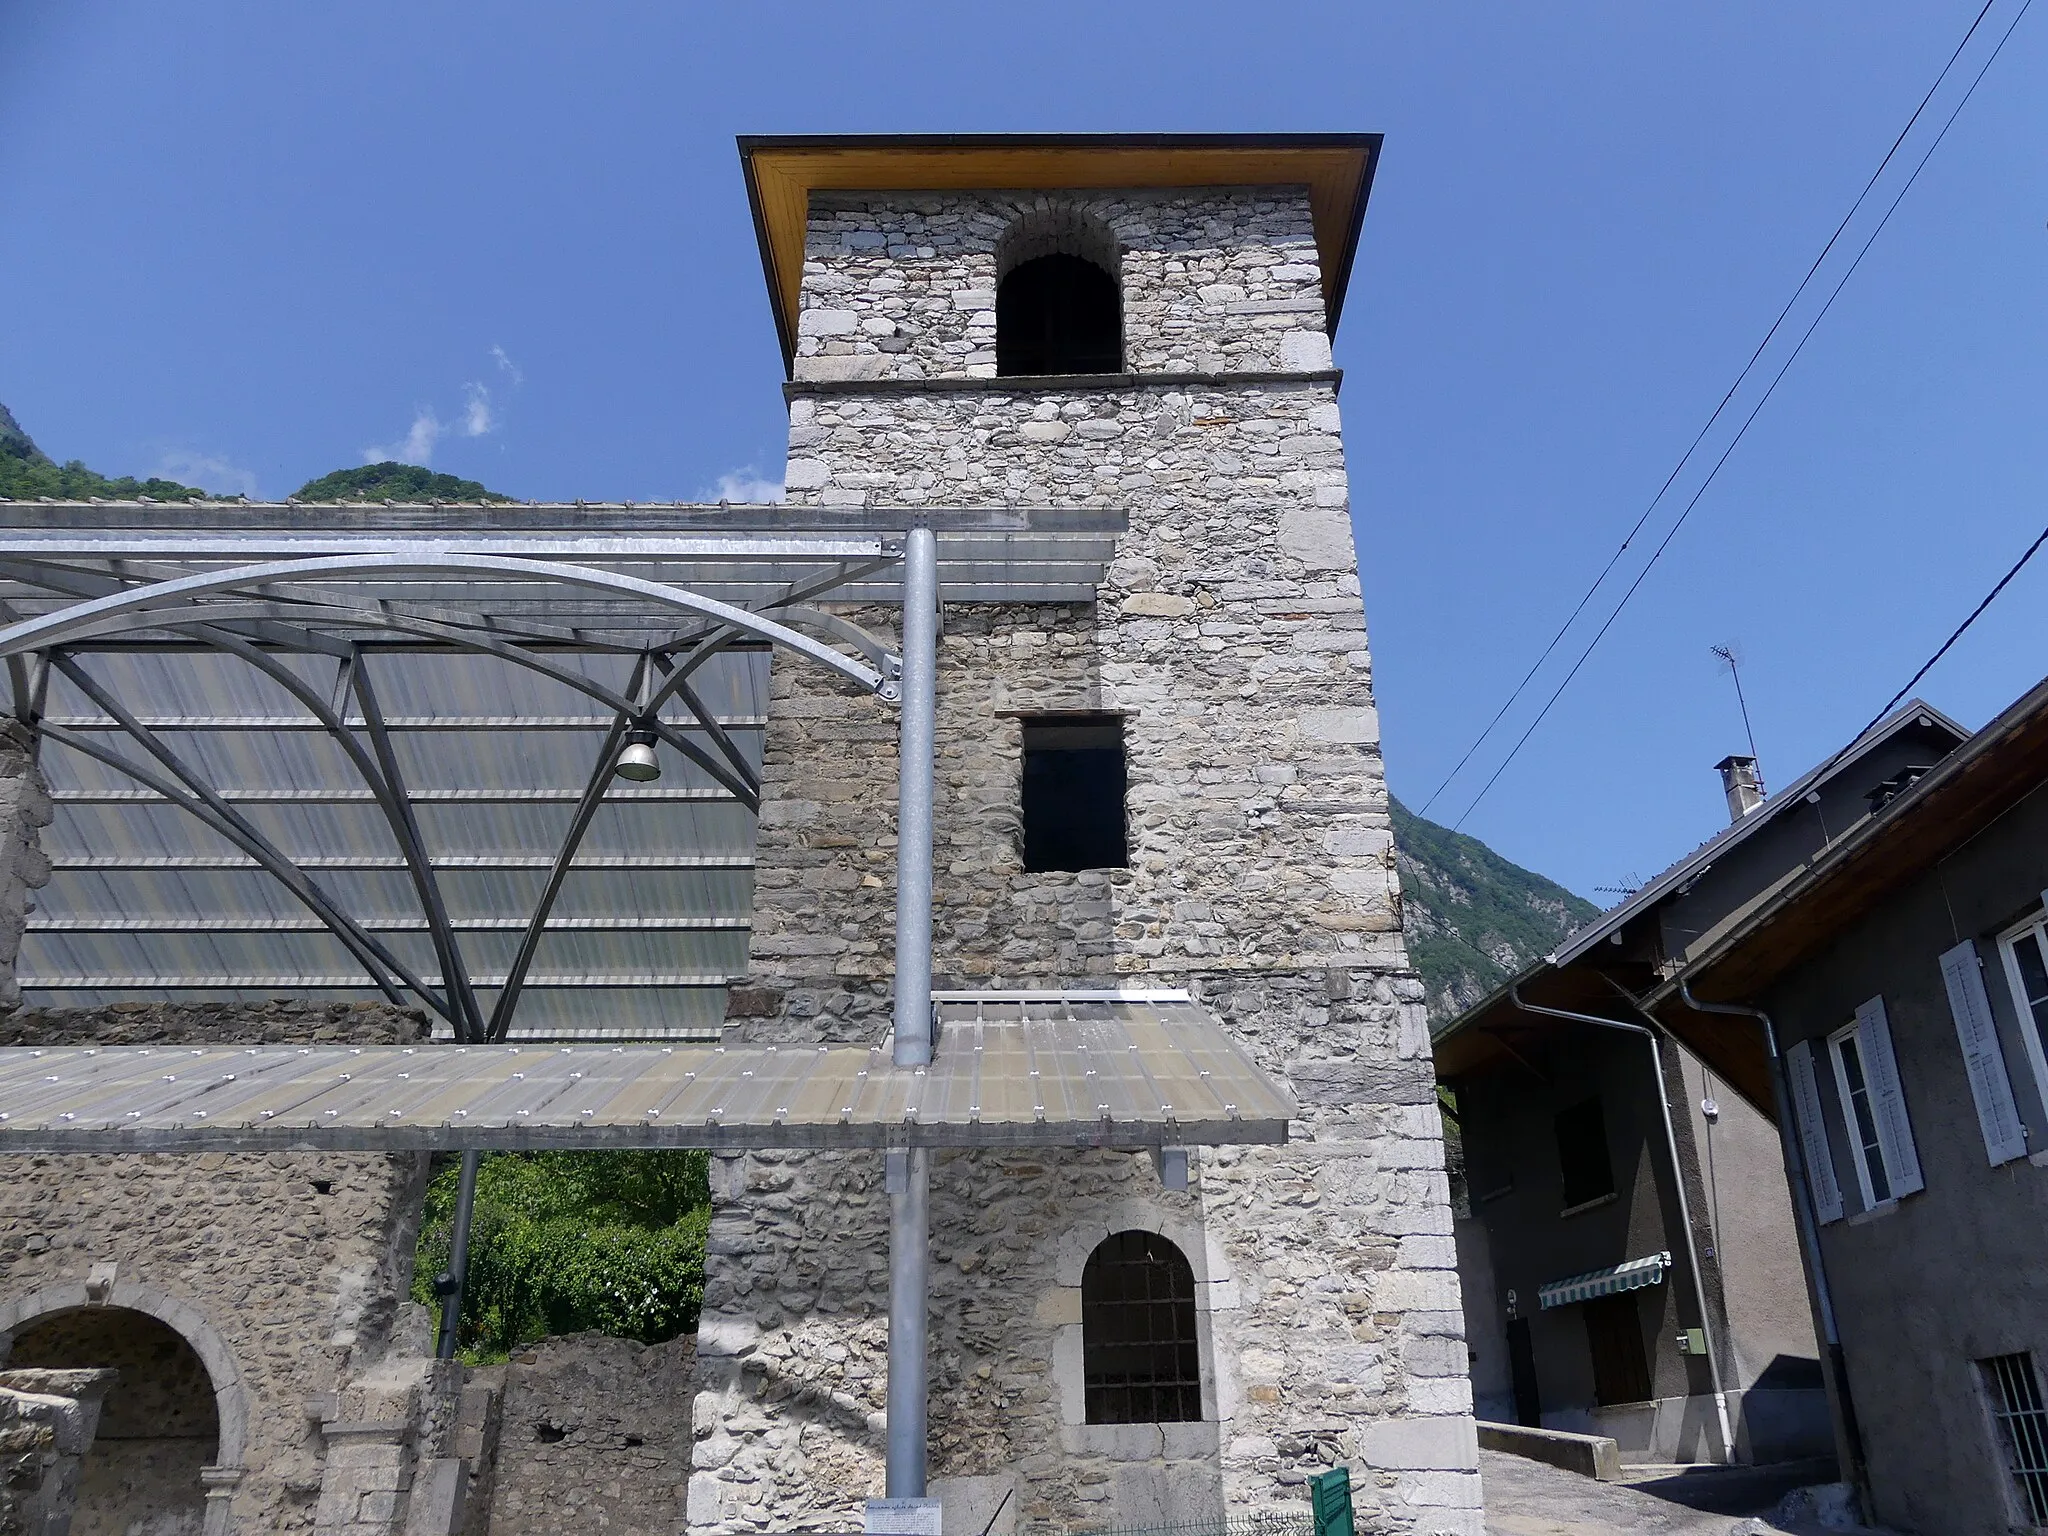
[[159, 1426]]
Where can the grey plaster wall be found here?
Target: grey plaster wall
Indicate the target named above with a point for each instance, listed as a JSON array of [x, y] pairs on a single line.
[[1230, 637], [1518, 1193], [1927, 1286]]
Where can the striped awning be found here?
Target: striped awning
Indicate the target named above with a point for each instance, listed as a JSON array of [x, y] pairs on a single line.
[[1634, 1275]]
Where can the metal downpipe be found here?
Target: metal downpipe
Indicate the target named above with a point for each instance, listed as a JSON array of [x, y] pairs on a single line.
[[909, 1168], [1692, 1255], [450, 1282], [1803, 1215]]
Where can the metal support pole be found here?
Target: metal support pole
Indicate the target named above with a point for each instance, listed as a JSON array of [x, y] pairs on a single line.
[[909, 1252], [908, 1168], [915, 732], [449, 1283]]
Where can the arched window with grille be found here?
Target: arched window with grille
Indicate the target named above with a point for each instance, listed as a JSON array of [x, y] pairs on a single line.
[[1139, 1351]]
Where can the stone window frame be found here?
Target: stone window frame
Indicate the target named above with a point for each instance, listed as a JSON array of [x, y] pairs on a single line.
[[1215, 1294], [230, 1394]]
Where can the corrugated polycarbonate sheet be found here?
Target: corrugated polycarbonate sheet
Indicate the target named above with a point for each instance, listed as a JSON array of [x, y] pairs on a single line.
[[146, 903], [1049, 1071]]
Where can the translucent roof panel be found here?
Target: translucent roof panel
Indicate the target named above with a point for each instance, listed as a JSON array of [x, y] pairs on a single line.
[[146, 902], [332, 751], [1091, 1070]]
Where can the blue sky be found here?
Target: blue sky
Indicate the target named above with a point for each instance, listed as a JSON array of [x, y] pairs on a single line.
[[247, 243]]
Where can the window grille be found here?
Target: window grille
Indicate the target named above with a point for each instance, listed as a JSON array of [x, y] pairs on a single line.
[[2022, 1419], [1139, 1353]]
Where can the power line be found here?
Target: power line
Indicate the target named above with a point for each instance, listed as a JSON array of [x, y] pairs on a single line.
[[1742, 431], [1693, 447], [1941, 651]]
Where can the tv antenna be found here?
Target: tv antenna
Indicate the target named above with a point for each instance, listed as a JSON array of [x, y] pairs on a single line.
[[1630, 884], [1731, 658]]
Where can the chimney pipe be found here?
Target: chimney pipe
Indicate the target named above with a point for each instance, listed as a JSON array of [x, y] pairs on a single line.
[[1742, 784]]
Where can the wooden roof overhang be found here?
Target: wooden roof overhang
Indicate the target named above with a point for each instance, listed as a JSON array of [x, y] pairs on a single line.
[[1502, 1034], [782, 172]]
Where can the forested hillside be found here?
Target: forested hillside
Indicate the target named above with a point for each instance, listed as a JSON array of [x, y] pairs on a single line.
[[1471, 918], [26, 472]]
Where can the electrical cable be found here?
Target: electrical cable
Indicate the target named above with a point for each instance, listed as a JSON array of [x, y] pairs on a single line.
[[1743, 430], [1928, 665], [1693, 447]]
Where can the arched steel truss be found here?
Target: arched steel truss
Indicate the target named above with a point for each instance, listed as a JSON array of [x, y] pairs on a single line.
[[257, 612]]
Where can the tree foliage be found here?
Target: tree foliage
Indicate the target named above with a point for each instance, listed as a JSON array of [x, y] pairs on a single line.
[[563, 1242], [394, 481]]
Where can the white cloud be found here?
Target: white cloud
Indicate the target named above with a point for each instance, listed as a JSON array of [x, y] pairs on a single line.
[[477, 418], [417, 446], [745, 485], [208, 472], [480, 416]]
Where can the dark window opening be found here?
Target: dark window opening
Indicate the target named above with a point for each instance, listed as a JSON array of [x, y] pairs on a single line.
[[1614, 1333], [1058, 314], [1073, 793], [1582, 1153], [1139, 1355]]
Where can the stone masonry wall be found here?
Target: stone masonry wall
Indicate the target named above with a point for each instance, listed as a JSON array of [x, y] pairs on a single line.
[[1229, 634], [594, 1436], [1211, 280], [296, 1263]]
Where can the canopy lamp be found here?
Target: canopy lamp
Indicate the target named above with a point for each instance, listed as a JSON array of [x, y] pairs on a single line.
[[637, 761]]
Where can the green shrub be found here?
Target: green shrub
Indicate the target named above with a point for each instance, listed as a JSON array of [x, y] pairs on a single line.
[[562, 1242]]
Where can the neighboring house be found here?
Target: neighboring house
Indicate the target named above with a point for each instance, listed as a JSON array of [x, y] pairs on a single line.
[[1629, 1256], [1905, 975]]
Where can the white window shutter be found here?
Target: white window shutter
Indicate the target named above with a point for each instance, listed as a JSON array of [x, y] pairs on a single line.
[[1989, 1085], [1888, 1098], [1813, 1133]]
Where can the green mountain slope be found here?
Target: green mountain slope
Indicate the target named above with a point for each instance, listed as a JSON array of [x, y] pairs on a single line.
[[393, 481], [27, 472], [1470, 917]]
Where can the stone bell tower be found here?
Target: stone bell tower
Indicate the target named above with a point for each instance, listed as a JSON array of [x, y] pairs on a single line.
[[1139, 323]]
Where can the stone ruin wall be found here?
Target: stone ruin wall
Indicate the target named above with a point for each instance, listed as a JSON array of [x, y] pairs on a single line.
[[1230, 635], [594, 1435], [296, 1263]]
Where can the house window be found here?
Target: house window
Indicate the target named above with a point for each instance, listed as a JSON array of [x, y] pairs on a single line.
[[2026, 972], [2021, 1419], [1859, 1109], [1139, 1353], [1073, 793], [1582, 1154], [1059, 313]]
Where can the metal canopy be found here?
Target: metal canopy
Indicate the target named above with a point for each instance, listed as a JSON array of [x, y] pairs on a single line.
[[1033, 1070], [348, 751]]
